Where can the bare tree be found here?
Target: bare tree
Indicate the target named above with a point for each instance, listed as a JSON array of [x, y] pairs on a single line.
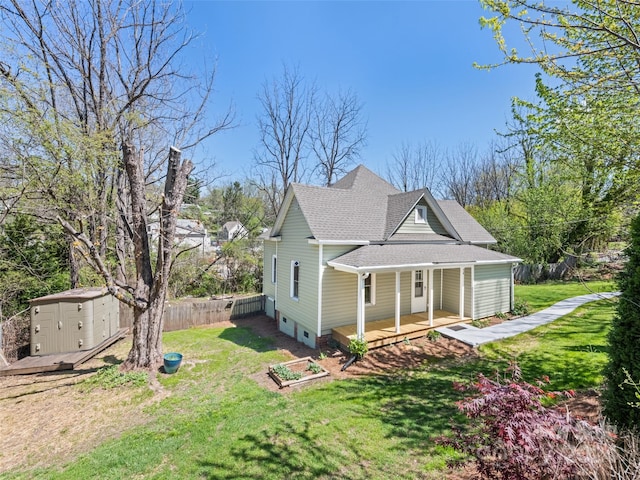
[[284, 126], [84, 83], [338, 134], [417, 167], [496, 175], [461, 172]]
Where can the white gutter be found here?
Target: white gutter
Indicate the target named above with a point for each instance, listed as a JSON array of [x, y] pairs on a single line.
[[314, 241], [410, 266]]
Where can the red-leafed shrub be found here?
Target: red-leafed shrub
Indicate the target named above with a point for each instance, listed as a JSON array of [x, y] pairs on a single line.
[[513, 436]]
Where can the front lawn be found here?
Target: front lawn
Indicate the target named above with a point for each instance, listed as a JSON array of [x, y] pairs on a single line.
[[543, 295], [218, 422]]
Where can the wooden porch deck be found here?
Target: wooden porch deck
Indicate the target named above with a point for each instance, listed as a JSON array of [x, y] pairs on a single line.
[[59, 361], [379, 333]]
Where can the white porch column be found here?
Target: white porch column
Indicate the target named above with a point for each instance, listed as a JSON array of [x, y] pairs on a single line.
[[360, 309], [473, 292], [397, 302], [430, 298], [461, 307]]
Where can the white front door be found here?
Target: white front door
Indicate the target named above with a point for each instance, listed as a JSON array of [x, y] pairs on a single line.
[[418, 291]]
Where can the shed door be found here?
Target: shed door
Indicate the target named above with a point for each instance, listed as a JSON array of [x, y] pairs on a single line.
[[418, 292]]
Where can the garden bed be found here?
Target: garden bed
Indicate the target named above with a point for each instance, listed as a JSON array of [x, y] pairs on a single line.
[[296, 371]]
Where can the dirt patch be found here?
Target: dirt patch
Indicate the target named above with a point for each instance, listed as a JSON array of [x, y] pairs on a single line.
[[42, 417]]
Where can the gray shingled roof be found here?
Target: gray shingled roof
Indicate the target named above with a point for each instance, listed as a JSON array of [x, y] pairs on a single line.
[[363, 207], [355, 208], [467, 227], [416, 255], [398, 206]]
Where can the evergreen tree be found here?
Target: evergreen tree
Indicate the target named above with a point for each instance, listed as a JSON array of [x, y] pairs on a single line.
[[624, 342]]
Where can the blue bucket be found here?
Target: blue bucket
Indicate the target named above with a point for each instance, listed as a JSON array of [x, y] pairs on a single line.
[[172, 362]]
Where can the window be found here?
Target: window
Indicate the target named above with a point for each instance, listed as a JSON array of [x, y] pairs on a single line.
[[295, 278], [274, 271], [421, 214], [418, 284], [370, 290]]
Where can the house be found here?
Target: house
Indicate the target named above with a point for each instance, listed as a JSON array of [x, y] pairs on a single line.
[[189, 233], [233, 231], [361, 257]]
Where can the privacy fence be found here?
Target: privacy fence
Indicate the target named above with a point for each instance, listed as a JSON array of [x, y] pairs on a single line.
[[192, 313], [15, 332]]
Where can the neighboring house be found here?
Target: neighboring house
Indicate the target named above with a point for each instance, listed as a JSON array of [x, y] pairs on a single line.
[[361, 251], [189, 233], [233, 231]]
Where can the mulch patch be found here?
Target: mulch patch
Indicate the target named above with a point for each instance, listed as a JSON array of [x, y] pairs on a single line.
[[382, 360]]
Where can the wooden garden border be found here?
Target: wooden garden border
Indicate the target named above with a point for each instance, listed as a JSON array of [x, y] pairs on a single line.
[[306, 378]]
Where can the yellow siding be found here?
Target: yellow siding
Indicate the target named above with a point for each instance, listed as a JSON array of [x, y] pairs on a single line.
[[268, 288], [295, 247], [340, 293], [493, 289]]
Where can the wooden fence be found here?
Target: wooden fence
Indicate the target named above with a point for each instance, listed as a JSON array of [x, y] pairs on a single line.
[[186, 314], [524, 273]]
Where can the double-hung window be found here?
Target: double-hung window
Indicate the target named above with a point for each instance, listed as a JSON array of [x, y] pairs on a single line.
[[421, 214], [370, 289]]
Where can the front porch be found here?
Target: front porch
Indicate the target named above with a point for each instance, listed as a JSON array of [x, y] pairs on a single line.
[[379, 333]]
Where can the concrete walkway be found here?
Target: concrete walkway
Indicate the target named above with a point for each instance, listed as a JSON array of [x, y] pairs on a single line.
[[477, 336]]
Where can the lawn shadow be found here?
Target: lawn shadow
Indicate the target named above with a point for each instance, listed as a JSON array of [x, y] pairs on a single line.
[[283, 450], [415, 406], [247, 338]]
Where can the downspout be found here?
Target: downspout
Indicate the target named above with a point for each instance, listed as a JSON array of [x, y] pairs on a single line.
[[275, 300], [320, 275]]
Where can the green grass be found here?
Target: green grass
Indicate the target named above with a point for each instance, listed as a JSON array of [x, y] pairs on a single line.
[[572, 351], [543, 295], [218, 423]]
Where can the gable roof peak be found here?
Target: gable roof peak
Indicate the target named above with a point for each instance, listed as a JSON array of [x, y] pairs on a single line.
[[361, 178]]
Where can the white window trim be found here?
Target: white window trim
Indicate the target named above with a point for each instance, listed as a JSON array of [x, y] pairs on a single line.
[[274, 266], [372, 276], [420, 218], [294, 264]]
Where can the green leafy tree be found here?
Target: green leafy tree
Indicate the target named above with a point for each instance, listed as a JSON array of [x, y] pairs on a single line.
[[585, 118], [624, 347], [33, 262]]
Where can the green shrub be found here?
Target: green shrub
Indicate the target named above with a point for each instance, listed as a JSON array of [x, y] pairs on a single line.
[[358, 347], [480, 322], [314, 368], [111, 377], [520, 308], [285, 373], [433, 335], [624, 348]]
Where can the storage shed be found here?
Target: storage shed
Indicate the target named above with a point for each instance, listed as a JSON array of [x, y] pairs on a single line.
[[73, 320]]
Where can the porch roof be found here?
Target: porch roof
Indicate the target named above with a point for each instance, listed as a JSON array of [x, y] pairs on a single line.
[[397, 257]]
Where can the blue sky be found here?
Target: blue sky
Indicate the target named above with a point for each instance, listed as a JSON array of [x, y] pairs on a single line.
[[410, 63]]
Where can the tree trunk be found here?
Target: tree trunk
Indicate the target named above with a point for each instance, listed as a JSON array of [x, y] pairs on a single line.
[[151, 291], [122, 239], [74, 265]]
